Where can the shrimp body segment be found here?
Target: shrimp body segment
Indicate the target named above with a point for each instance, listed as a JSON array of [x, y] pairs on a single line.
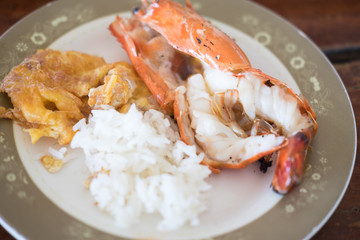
[[250, 116]]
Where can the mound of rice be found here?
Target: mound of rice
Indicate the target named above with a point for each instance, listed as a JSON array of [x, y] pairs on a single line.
[[140, 166]]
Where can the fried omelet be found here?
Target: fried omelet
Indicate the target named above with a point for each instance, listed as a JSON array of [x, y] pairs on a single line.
[[49, 91]]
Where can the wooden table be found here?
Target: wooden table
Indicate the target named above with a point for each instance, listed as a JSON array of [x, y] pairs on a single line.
[[335, 27]]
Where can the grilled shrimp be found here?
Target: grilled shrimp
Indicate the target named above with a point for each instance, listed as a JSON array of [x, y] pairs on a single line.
[[233, 113]]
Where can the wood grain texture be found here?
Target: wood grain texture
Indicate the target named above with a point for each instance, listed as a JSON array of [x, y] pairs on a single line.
[[334, 26], [330, 24]]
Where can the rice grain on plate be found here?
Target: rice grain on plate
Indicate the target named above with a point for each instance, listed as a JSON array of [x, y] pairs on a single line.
[[140, 166]]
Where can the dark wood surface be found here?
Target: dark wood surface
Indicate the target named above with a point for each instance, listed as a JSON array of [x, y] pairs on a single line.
[[335, 27]]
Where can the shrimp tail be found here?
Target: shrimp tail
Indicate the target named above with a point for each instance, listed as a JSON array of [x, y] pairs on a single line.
[[290, 163]]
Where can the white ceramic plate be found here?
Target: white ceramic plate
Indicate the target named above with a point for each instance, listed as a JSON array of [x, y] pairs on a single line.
[[241, 204]]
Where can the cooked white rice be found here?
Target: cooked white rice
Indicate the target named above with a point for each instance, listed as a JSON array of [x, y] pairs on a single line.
[[150, 169], [59, 154]]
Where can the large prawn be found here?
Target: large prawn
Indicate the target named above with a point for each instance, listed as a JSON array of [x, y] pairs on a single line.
[[232, 112]]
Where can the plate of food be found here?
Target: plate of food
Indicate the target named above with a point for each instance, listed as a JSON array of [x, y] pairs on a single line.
[[165, 120]]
